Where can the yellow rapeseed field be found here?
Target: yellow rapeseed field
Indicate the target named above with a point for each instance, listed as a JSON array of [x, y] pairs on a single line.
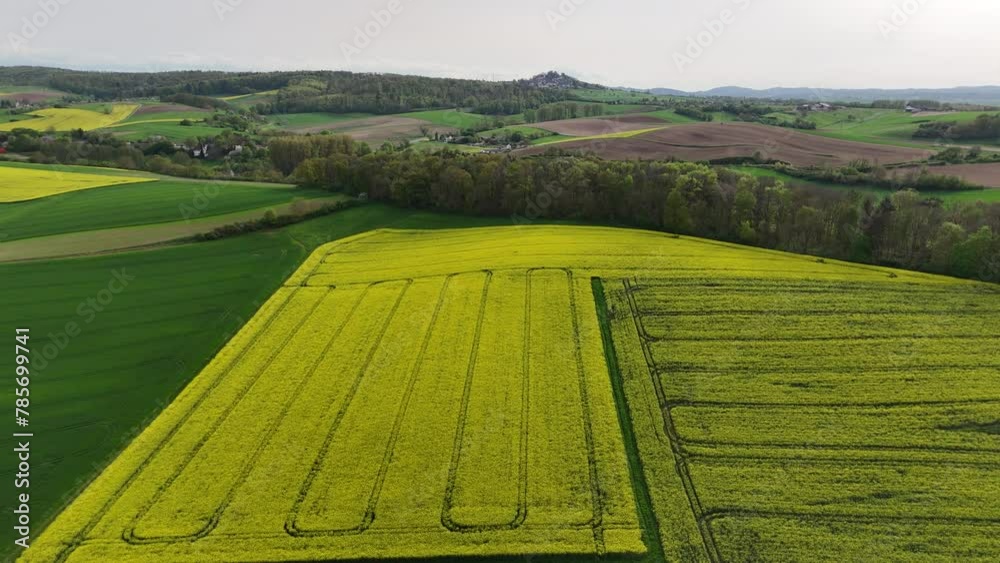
[[67, 119], [21, 184], [421, 394]]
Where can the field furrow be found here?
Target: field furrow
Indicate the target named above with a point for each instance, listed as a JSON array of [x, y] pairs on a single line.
[[416, 470], [492, 436], [559, 488]]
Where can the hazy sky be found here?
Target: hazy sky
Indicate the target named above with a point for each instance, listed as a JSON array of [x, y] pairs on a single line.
[[689, 44]]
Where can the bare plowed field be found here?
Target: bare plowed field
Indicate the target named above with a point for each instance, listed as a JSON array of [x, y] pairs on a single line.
[[717, 141], [980, 174], [600, 126], [378, 129]]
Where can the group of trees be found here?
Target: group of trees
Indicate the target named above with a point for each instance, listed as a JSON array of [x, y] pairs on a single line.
[[984, 127], [693, 113], [902, 230], [563, 110], [121, 85], [343, 92], [863, 172], [302, 91]]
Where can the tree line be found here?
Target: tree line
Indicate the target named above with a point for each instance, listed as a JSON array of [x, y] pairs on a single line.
[[901, 230], [984, 127], [344, 92], [563, 110], [302, 91]]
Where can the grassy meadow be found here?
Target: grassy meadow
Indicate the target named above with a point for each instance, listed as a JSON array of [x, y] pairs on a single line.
[[151, 202], [293, 121]]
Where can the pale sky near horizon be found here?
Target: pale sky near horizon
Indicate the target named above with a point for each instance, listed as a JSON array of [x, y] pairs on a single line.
[[688, 45]]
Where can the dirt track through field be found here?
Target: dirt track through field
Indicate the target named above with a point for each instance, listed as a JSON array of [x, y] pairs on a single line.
[[126, 238], [716, 141], [987, 174], [587, 127]]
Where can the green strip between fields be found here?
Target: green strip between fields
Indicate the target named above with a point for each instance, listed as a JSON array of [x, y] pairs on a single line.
[[644, 503]]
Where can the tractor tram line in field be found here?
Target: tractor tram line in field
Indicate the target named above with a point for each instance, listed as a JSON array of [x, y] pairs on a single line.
[[474, 405], [898, 451], [161, 522], [681, 459], [447, 520], [131, 534]]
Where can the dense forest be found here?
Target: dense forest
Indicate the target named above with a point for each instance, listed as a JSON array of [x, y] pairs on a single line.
[[903, 230], [319, 91], [342, 92]]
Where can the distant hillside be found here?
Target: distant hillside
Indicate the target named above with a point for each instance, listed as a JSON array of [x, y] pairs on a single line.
[[310, 91], [965, 94]]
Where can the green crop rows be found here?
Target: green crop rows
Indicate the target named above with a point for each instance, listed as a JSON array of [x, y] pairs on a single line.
[[815, 420]]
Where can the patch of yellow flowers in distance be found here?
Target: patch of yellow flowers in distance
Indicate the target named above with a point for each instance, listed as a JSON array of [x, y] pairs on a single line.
[[21, 184]]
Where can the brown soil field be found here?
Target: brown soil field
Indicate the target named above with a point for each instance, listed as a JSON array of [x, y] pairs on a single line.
[[716, 141], [379, 129], [586, 127], [987, 174], [164, 108]]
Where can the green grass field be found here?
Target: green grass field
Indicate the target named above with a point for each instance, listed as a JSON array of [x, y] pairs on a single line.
[[310, 120], [882, 126], [194, 114], [166, 124], [987, 195], [624, 109], [169, 130], [454, 118], [160, 201]]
